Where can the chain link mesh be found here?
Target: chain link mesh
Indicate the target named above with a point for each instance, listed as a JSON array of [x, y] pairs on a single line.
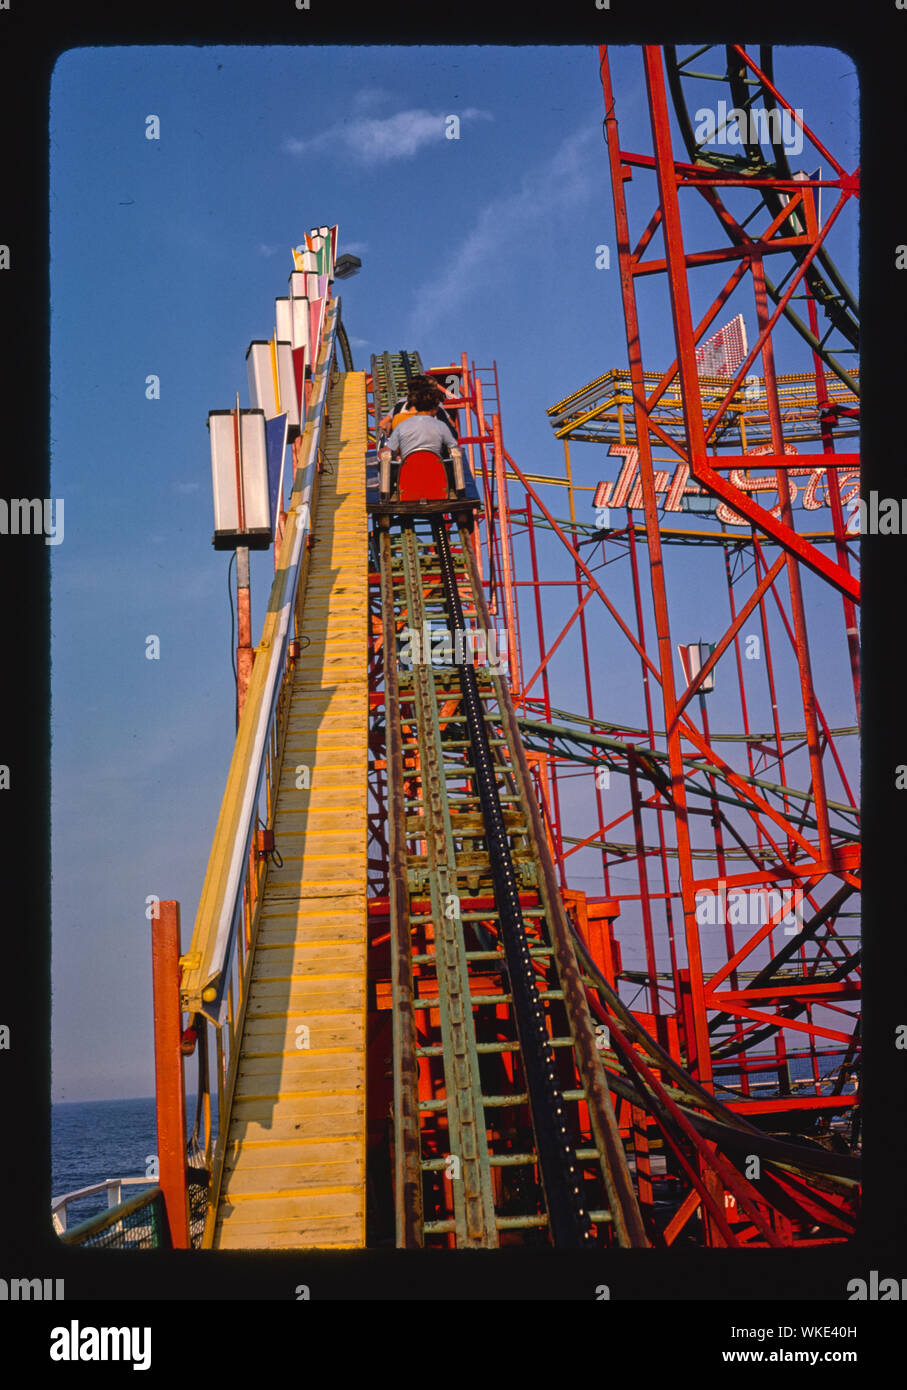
[[141, 1226]]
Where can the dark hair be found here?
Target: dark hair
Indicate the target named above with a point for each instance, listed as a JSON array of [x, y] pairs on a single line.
[[424, 397]]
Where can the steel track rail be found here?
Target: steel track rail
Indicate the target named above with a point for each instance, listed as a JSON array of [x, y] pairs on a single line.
[[625, 1212], [408, 1172], [456, 1123], [450, 982], [391, 373], [567, 1213], [474, 1213]]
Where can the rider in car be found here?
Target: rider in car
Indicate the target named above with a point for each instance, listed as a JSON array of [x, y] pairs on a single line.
[[404, 406]]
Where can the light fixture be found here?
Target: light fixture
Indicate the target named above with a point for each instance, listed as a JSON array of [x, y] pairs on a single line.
[[346, 265]]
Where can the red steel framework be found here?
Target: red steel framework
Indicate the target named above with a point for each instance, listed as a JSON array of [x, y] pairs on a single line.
[[803, 861], [775, 1004], [708, 1019]]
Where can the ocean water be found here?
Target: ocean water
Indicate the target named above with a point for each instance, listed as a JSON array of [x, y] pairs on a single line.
[[97, 1139]]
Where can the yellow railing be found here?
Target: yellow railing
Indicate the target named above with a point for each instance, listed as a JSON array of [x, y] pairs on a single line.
[[612, 392], [216, 969]]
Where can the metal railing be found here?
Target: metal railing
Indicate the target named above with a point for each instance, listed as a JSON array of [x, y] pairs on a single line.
[[600, 403], [59, 1207], [216, 969], [138, 1223]]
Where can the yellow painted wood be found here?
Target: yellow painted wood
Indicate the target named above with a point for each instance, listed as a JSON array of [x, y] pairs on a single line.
[[279, 1034], [282, 916], [305, 1072], [321, 992], [298, 1174], [294, 1170], [308, 1154], [295, 1117], [305, 958], [331, 775]]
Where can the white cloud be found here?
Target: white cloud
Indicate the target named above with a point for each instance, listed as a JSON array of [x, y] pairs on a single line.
[[264, 250], [371, 139], [187, 487], [370, 97], [549, 195]]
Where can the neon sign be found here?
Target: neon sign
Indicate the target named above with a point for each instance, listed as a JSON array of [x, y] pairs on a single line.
[[627, 490]]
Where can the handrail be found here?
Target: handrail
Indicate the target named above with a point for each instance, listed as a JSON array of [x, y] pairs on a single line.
[[621, 376], [103, 1221], [112, 1186], [205, 967]]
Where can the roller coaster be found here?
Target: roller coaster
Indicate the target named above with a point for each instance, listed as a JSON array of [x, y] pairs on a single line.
[[421, 1031]]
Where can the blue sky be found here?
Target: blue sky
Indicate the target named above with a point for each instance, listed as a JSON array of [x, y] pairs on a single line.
[[166, 256]]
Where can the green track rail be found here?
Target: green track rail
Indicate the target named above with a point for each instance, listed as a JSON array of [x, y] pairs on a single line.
[[468, 1162]]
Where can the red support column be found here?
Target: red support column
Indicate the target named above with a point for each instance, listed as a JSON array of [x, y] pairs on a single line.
[[650, 726], [686, 357], [506, 567], [851, 628], [644, 900], [547, 766], [168, 1070], [793, 572]]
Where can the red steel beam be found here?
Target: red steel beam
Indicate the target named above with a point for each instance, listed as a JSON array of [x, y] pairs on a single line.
[[795, 549], [698, 1045]]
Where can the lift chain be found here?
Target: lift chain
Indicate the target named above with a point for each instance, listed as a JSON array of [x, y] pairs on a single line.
[[567, 1214]]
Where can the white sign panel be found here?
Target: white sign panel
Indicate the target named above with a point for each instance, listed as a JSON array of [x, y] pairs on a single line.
[[301, 325], [283, 320], [273, 396], [239, 477]]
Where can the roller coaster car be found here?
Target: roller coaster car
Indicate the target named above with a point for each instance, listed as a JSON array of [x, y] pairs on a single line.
[[422, 485]]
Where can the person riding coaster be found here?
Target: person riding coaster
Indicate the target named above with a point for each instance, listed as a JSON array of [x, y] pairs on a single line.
[[419, 431], [403, 405]]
